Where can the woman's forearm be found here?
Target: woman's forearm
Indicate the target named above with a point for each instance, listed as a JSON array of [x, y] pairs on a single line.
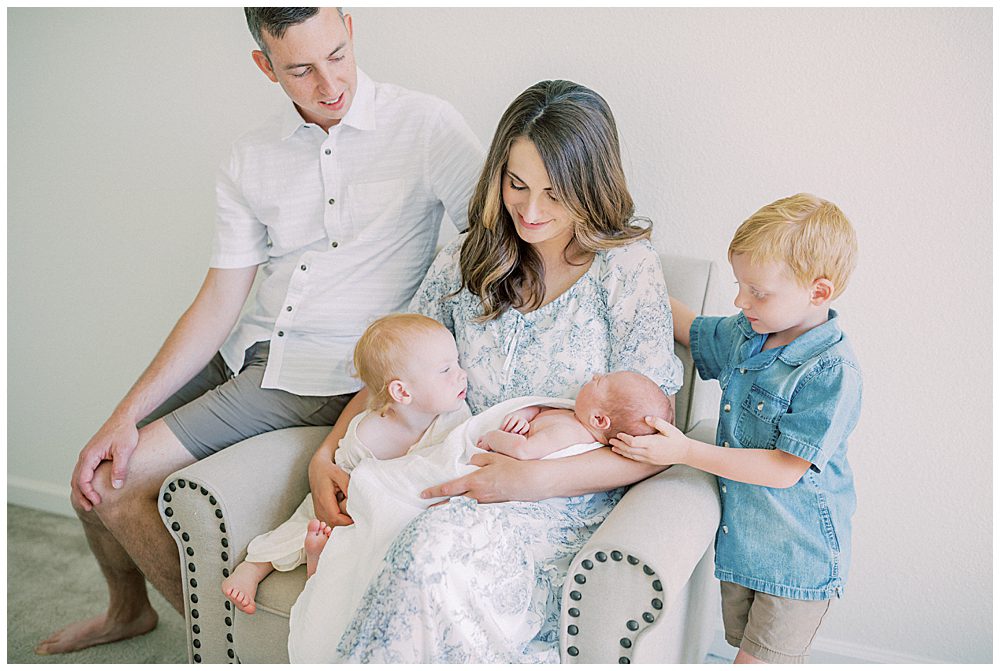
[[596, 471]]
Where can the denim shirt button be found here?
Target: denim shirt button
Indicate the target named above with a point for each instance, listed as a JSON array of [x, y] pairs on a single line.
[[723, 489], [725, 443], [743, 371], [725, 529], [760, 406], [727, 407]]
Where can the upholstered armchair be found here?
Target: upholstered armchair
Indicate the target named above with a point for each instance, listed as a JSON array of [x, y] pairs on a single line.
[[641, 590]]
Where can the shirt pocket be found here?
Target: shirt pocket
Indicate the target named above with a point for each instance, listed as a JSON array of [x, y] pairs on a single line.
[[757, 425], [375, 208]]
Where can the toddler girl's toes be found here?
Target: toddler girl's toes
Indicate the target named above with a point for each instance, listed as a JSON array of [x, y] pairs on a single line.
[[242, 601]]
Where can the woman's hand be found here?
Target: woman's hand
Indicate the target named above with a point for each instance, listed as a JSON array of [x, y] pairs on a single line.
[[499, 478], [328, 483], [666, 447]]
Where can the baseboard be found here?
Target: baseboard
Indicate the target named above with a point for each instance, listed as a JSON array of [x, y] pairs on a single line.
[[829, 651], [39, 495]]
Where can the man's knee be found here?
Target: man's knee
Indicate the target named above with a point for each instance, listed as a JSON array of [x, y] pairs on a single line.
[[119, 503]]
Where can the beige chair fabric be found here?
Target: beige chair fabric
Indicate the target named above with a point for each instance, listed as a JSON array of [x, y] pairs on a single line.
[[641, 590]]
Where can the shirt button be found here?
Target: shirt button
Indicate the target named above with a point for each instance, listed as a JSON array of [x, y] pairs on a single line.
[[334, 244], [281, 334], [760, 406], [723, 489], [743, 371], [302, 267], [725, 529], [289, 308], [327, 152], [724, 443], [332, 201], [727, 407]]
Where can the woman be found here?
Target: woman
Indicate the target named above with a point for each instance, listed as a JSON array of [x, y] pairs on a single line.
[[553, 284]]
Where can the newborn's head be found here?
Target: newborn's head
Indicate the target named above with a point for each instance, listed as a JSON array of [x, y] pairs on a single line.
[[619, 402]]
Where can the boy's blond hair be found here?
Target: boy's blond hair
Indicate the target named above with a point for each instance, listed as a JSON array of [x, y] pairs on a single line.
[[811, 235], [380, 355]]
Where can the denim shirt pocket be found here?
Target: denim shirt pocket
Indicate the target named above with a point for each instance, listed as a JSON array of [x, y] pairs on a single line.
[[757, 425]]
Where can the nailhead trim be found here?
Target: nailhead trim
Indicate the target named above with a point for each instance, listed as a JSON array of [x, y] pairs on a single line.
[[185, 537], [631, 625]]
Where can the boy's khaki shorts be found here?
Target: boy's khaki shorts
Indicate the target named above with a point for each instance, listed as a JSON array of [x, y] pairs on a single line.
[[217, 409], [771, 628]]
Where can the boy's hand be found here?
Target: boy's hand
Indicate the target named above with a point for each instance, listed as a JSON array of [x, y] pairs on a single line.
[[515, 423], [666, 447]]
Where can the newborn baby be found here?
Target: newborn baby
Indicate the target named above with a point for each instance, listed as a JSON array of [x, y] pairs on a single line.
[[608, 405]]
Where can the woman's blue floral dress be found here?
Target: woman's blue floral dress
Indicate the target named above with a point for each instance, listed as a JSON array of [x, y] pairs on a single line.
[[475, 583]]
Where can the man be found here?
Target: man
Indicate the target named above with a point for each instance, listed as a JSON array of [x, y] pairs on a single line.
[[339, 200]]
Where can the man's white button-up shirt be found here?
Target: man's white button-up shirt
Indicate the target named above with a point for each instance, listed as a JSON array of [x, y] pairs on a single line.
[[344, 224]]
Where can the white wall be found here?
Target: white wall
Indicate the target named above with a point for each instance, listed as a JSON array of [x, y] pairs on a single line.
[[117, 120]]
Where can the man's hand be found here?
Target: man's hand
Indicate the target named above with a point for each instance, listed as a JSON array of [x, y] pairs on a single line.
[[499, 478], [666, 447], [115, 441], [329, 483]]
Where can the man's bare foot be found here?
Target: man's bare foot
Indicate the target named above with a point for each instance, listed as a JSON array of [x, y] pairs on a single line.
[[241, 585], [95, 631], [317, 534]]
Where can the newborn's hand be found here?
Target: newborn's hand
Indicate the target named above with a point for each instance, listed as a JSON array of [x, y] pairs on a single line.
[[514, 423]]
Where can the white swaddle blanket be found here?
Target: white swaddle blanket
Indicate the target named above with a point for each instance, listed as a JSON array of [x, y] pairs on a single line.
[[383, 497]]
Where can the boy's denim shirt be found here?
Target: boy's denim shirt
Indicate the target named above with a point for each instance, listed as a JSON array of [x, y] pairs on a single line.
[[804, 399]]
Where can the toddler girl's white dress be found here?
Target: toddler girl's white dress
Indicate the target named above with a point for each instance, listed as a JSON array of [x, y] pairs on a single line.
[[284, 547], [384, 497]]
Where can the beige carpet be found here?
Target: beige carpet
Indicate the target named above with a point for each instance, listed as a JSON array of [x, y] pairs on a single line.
[[52, 580]]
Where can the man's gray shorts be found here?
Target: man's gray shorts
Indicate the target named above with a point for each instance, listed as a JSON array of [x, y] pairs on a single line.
[[217, 408]]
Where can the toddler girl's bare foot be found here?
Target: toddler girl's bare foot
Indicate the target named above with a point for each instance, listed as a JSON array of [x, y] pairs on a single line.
[[241, 585], [317, 535]]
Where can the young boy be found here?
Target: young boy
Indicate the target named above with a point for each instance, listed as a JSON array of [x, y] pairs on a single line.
[[606, 406], [791, 397], [409, 363]]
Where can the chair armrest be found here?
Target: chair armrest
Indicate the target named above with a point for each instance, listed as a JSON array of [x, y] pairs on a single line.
[[637, 565], [215, 507]]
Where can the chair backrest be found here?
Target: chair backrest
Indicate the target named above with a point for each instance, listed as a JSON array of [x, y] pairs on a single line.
[[693, 282]]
